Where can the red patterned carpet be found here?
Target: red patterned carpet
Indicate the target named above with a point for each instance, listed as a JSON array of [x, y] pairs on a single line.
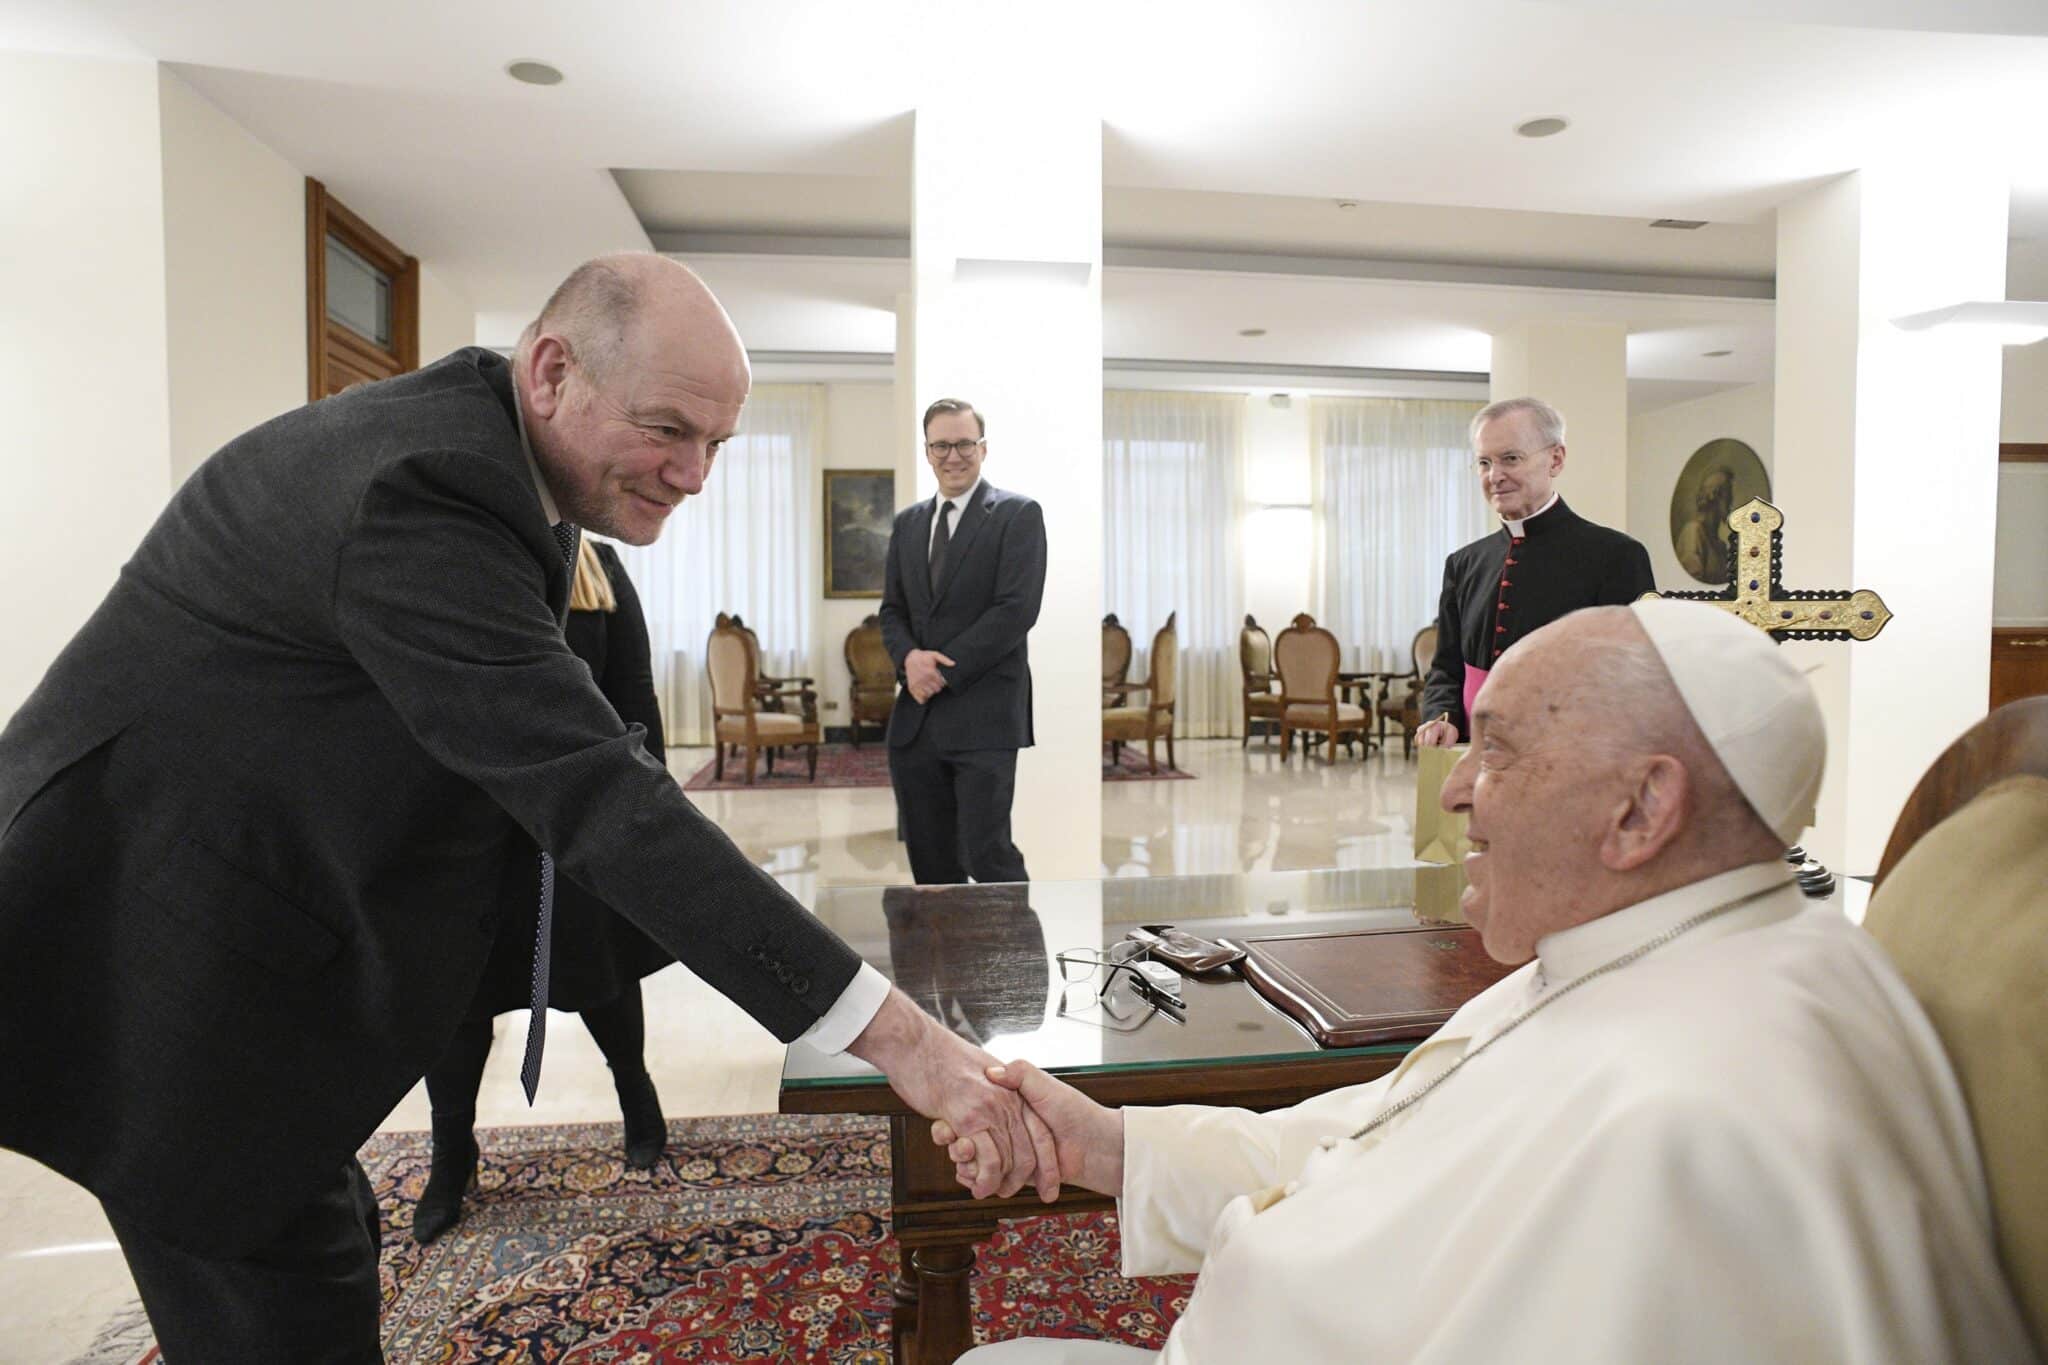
[[842, 765], [762, 1237]]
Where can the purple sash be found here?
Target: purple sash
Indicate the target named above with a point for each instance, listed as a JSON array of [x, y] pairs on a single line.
[[1474, 678]]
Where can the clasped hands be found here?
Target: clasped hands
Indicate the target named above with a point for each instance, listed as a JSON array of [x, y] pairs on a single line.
[[921, 673], [1004, 1127]]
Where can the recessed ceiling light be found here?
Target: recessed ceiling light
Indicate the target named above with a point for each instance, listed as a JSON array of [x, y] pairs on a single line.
[[1679, 224], [1548, 126], [534, 73], [1251, 331], [1347, 203], [1715, 355]]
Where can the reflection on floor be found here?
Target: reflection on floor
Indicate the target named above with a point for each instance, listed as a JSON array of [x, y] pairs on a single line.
[[61, 1276]]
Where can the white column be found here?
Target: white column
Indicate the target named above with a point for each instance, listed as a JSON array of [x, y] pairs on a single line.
[[1886, 468], [86, 460], [1007, 247], [1581, 369]]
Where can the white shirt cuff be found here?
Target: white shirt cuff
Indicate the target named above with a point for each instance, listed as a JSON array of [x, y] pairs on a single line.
[[851, 1013]]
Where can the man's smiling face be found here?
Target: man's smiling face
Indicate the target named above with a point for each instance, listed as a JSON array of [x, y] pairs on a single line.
[[621, 449]]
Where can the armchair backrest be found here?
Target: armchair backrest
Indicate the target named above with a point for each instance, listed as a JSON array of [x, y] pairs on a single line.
[[1960, 909], [730, 660], [1306, 657], [1116, 650], [1422, 650], [1255, 655], [867, 658], [1165, 663]]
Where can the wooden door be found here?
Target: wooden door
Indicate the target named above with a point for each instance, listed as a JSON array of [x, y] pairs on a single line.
[[362, 300]]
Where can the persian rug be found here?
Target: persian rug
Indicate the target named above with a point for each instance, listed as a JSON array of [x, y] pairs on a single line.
[[842, 765], [839, 765], [757, 1238]]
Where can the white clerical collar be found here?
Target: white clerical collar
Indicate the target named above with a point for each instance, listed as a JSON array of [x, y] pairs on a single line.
[[959, 503], [1519, 526], [1565, 956], [540, 485]]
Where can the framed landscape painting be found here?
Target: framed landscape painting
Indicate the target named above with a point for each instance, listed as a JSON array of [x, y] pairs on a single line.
[[859, 506]]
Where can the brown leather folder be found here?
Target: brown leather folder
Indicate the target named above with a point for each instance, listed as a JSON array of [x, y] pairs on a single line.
[[1374, 986]]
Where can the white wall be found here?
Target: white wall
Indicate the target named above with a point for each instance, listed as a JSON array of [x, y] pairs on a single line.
[[86, 457], [447, 317], [235, 276], [860, 433], [1659, 444]]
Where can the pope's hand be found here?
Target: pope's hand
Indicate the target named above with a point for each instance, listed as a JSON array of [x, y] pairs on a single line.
[[1088, 1137], [942, 1076]]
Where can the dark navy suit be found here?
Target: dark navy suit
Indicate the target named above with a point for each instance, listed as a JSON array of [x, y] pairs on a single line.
[[953, 760]]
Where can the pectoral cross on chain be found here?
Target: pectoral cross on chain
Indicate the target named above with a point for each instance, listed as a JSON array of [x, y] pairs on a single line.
[[1756, 594]]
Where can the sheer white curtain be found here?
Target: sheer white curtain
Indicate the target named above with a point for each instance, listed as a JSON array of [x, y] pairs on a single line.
[[1395, 493], [1170, 475], [742, 545]]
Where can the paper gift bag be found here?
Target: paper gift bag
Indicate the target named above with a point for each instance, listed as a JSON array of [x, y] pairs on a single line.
[[1439, 837], [1439, 893]]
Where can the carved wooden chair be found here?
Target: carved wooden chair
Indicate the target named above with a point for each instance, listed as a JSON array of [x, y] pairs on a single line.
[[1307, 657], [776, 694], [872, 674], [738, 718], [1402, 702], [1261, 687], [1128, 724], [1116, 661], [1961, 906]]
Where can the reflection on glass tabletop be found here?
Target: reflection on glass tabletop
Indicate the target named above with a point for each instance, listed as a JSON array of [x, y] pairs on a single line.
[[983, 960]]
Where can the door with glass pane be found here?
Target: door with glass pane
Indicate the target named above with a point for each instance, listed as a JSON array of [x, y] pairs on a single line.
[[362, 300]]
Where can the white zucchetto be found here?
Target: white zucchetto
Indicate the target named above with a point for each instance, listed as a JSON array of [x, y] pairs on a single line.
[[1754, 707]]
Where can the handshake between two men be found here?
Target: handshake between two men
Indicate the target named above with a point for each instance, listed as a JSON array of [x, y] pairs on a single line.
[[1003, 1126]]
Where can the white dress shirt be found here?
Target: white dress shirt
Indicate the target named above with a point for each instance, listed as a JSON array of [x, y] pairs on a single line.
[[959, 505]]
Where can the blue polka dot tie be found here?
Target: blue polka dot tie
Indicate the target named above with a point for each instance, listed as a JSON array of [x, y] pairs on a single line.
[[544, 935]]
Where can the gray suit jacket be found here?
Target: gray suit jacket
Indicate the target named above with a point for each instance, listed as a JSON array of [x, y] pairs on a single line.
[[257, 821], [985, 604]]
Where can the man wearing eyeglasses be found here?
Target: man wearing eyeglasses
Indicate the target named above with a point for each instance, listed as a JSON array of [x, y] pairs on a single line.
[[1545, 561], [965, 575]]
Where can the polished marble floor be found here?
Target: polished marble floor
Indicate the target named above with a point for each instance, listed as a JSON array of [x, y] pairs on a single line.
[[61, 1275]]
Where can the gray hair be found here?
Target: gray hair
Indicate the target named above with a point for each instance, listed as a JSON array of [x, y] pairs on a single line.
[[1549, 421], [592, 310]]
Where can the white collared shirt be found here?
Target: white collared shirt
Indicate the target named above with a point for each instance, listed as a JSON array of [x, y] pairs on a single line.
[[959, 510]]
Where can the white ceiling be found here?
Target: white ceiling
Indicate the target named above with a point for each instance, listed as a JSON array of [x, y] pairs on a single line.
[[1228, 126]]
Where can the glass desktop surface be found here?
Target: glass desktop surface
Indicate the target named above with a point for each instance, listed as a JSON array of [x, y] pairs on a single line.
[[981, 960]]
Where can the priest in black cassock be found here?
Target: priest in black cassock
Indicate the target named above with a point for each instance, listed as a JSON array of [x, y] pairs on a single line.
[[1545, 561]]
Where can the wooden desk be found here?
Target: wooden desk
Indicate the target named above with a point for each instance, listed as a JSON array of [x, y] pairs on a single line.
[[981, 957]]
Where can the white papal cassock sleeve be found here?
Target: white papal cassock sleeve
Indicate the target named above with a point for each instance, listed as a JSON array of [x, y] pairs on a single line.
[[1184, 1162]]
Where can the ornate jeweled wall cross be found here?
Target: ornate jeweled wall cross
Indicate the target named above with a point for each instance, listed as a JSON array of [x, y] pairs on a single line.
[[1756, 552]]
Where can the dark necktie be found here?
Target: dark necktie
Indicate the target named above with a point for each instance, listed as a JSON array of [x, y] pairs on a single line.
[[544, 934], [941, 538]]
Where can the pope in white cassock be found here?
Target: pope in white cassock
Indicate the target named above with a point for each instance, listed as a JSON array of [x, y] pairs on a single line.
[[1705, 1122]]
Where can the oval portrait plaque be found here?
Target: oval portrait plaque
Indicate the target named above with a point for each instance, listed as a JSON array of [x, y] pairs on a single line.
[[1722, 475]]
